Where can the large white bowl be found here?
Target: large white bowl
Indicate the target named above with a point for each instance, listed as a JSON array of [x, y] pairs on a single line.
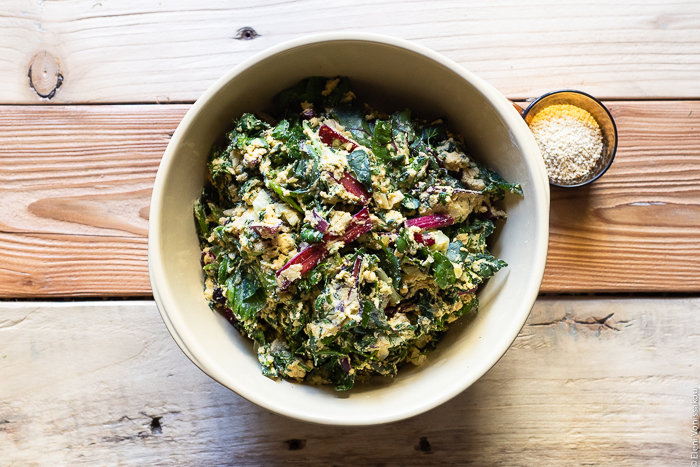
[[392, 74]]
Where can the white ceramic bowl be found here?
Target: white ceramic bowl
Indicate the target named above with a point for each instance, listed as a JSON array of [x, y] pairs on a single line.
[[391, 74]]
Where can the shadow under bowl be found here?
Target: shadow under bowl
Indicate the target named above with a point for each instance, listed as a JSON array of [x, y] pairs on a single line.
[[601, 115]]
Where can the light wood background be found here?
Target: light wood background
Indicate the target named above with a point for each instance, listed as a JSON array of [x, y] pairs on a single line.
[[165, 51], [589, 381], [83, 384]]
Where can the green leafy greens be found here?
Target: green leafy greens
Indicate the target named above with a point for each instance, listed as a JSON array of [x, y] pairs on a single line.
[[341, 240]]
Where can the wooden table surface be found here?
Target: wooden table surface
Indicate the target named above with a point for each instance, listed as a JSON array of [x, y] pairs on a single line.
[[603, 373]]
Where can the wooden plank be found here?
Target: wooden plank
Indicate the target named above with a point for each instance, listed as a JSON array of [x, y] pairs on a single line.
[[75, 186], [40, 265], [152, 51], [638, 227], [587, 382], [82, 169]]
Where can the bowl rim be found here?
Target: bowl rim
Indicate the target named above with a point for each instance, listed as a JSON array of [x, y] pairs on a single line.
[[612, 120], [189, 343]]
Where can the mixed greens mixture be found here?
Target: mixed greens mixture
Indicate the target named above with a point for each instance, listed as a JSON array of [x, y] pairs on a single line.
[[341, 239]]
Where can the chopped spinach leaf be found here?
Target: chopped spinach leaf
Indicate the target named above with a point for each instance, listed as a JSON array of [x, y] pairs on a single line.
[[381, 140], [354, 121], [444, 271], [390, 264], [359, 163]]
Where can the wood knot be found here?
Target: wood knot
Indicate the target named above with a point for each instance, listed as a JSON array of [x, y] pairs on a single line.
[[246, 34], [156, 427], [44, 75], [423, 445], [295, 444]]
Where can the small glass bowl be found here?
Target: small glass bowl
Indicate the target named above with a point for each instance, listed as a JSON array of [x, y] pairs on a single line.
[[601, 115]]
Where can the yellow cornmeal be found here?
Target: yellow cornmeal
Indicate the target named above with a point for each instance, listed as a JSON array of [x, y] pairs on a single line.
[[570, 141]]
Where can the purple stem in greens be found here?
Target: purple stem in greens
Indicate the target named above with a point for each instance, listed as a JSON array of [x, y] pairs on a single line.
[[321, 223], [345, 364], [266, 230], [312, 255], [434, 221]]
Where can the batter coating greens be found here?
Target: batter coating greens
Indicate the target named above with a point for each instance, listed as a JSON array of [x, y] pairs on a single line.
[[343, 240]]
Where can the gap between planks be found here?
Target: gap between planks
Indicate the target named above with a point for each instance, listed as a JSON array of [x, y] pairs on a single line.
[[523, 101], [78, 179]]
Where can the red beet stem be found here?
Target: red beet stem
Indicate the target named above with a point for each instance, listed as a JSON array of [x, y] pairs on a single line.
[[424, 239], [266, 230], [345, 364], [356, 268], [434, 221], [227, 313], [312, 255], [358, 225], [328, 135], [321, 223], [355, 187], [308, 114], [309, 258]]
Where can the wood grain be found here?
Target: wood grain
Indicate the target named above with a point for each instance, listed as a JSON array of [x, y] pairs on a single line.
[[638, 227], [75, 186], [41, 265], [105, 384], [153, 51], [81, 170]]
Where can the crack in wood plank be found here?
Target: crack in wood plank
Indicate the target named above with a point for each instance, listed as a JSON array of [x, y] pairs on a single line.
[[596, 324], [6, 324]]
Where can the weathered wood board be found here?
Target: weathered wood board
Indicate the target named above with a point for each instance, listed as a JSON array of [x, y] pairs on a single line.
[[152, 51], [75, 186], [587, 382], [638, 227]]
